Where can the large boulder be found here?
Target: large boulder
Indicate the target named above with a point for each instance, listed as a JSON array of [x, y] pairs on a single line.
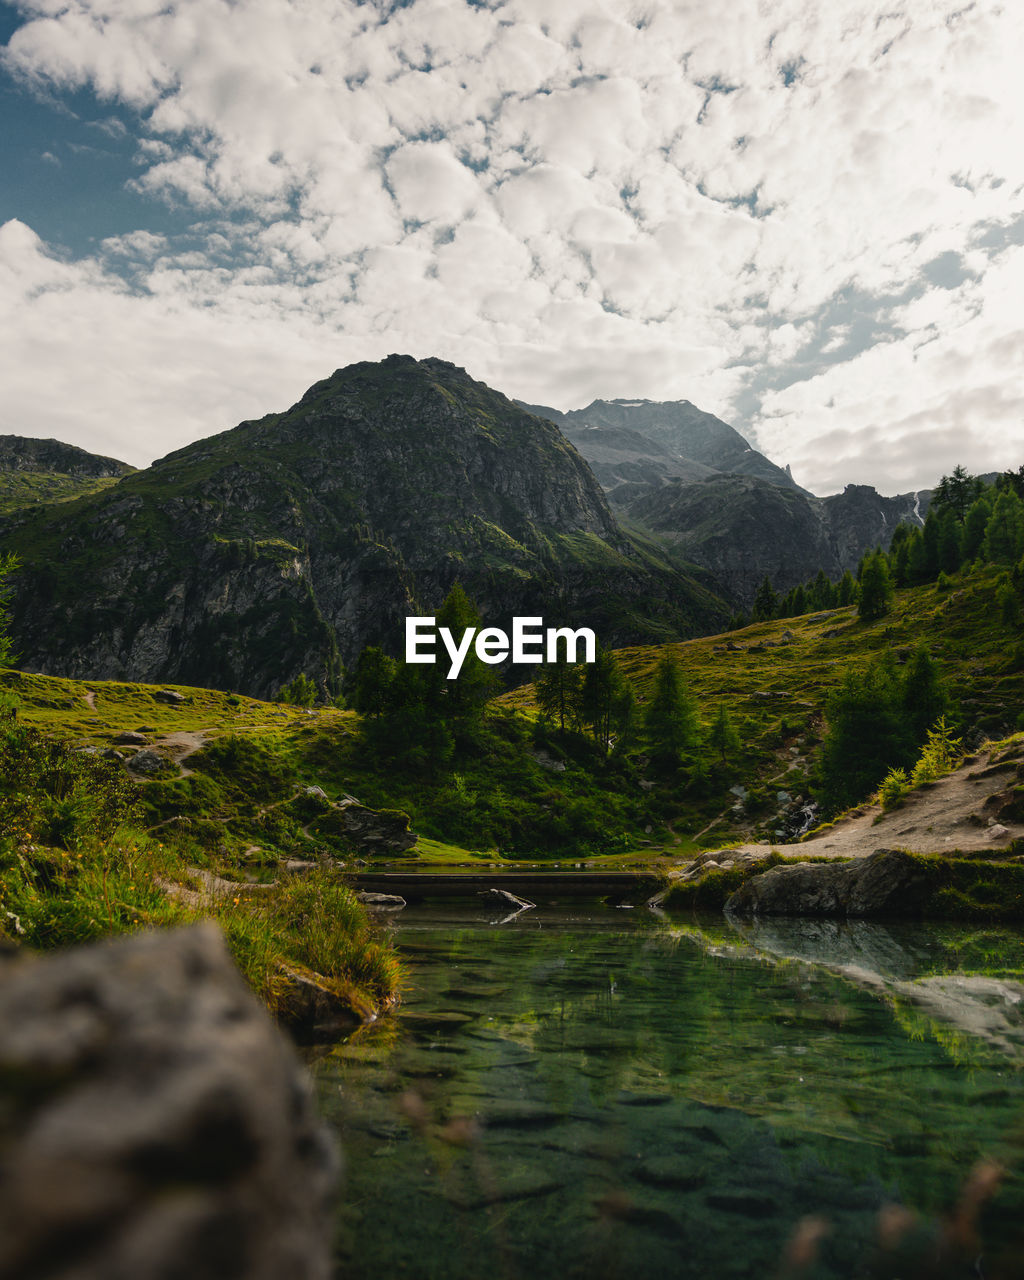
[[887, 883], [153, 1121], [372, 832]]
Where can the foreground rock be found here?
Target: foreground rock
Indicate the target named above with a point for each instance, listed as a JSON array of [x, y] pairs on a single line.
[[888, 882], [153, 1122]]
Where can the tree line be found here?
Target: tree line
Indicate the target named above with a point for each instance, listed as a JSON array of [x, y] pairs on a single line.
[[415, 716], [969, 523]]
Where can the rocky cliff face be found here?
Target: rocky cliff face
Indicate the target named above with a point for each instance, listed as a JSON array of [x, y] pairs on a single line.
[[20, 453], [697, 484], [742, 529], [289, 543]]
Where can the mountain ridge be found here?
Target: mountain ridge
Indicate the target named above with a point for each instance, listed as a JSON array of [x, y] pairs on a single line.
[[287, 543]]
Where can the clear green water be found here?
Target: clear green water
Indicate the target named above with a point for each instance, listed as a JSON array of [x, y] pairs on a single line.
[[606, 1095]]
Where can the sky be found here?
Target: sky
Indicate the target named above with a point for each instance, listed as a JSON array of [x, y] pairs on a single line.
[[806, 218]]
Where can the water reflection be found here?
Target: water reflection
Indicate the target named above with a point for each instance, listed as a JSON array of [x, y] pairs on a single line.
[[601, 1094]]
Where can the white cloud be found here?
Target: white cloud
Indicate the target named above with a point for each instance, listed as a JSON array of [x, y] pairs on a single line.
[[653, 198]]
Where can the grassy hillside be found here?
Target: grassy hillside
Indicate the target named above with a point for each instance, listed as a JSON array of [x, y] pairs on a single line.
[[514, 787], [774, 677], [27, 490], [89, 847]]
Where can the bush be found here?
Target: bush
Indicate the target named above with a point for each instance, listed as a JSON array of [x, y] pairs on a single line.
[[938, 756], [895, 786], [300, 692], [56, 793]]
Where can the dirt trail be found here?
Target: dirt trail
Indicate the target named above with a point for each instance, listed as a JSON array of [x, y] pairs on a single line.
[[180, 745], [950, 814]]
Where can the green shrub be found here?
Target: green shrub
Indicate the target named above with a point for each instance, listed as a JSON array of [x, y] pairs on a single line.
[[300, 692], [939, 754], [895, 786]]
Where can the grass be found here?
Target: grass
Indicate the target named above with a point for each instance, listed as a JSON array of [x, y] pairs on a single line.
[[77, 864], [496, 799], [27, 489]]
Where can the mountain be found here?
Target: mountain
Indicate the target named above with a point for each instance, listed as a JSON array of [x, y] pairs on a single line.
[[42, 471], [743, 529], [698, 486], [287, 544], [655, 441]]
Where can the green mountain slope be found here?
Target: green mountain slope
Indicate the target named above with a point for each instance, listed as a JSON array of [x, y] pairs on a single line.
[[287, 544]]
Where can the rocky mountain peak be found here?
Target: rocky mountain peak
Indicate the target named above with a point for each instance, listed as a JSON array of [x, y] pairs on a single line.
[[288, 543]]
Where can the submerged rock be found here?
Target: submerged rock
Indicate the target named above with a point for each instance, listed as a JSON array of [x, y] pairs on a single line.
[[153, 1121]]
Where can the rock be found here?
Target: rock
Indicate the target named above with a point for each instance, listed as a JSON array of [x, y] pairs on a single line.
[[312, 1010], [209, 888], [168, 695], [671, 1173], [110, 753], [153, 1122], [315, 793], [300, 866], [131, 740], [371, 831], [150, 763], [1006, 806], [388, 901], [751, 1204], [882, 884], [997, 832]]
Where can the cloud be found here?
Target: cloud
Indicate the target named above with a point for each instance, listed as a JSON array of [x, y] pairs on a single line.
[[653, 198]]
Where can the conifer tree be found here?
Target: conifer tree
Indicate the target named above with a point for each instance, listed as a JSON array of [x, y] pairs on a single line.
[[876, 592], [956, 492], [371, 681], [847, 593], [723, 738], [949, 538], [9, 564], [766, 602], [670, 718], [972, 538], [922, 695], [866, 735], [1004, 533], [822, 592], [462, 698], [606, 700], [557, 687]]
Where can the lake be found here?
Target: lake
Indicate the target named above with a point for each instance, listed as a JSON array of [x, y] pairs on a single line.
[[607, 1093]]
